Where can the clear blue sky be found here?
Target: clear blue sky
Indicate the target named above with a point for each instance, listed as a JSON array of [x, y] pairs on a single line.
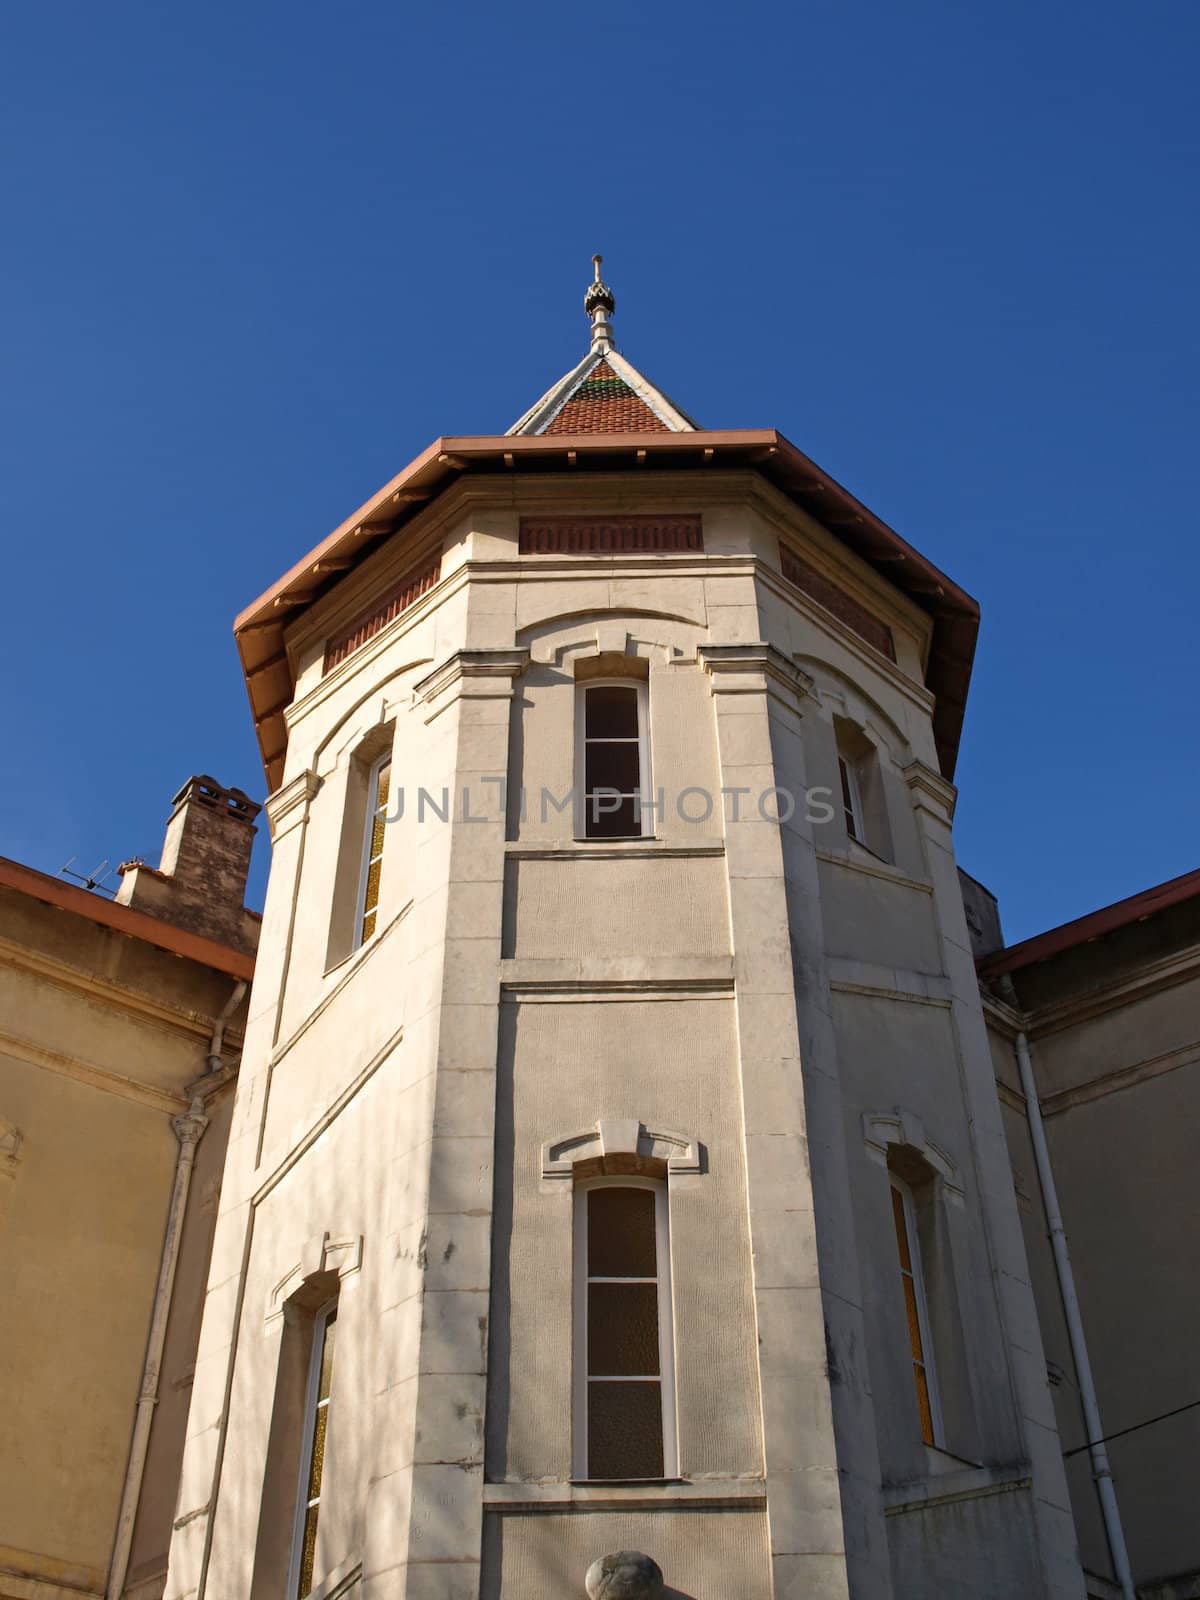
[[258, 256]]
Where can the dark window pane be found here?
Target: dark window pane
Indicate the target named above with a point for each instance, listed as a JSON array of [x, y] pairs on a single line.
[[625, 1438], [622, 1330], [610, 712], [602, 821], [612, 766], [621, 1233]]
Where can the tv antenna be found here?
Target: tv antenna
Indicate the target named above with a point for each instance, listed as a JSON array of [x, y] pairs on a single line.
[[90, 880]]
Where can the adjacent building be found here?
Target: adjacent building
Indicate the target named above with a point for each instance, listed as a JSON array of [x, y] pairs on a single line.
[[120, 1025]]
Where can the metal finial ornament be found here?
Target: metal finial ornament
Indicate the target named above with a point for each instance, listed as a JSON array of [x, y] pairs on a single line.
[[599, 294], [599, 303]]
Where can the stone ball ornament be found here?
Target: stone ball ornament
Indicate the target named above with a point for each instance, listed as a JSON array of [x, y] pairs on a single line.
[[624, 1575]]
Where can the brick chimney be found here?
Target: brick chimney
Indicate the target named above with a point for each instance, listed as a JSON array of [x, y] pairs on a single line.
[[200, 881]]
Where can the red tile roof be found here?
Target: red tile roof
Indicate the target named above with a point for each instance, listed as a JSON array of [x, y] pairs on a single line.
[[604, 403]]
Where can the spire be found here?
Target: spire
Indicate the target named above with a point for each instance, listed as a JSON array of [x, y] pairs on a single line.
[[604, 393], [599, 303]]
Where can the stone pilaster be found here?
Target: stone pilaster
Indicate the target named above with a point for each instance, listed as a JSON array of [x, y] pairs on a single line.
[[933, 802], [425, 1510], [758, 694]]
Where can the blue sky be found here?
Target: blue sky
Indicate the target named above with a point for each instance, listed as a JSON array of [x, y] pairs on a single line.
[[258, 256]]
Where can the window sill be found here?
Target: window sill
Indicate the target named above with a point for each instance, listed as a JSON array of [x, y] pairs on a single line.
[[338, 1582], [655, 1493], [361, 951], [608, 849], [964, 1483], [874, 867]]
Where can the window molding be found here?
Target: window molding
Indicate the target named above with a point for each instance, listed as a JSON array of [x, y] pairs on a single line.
[[582, 1377], [583, 687], [322, 1256], [884, 1131], [615, 1143]]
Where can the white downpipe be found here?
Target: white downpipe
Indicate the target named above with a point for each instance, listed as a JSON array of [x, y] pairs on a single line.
[[1101, 1470], [189, 1130]]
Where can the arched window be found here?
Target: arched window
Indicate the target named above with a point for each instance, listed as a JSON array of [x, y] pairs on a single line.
[[365, 829], [371, 870], [624, 1363], [860, 790], [312, 1454], [916, 1311]]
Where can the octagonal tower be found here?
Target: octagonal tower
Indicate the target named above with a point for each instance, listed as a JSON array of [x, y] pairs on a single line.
[[617, 1162]]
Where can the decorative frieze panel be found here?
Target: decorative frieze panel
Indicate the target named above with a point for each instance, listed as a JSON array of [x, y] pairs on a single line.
[[367, 625], [834, 600], [585, 536]]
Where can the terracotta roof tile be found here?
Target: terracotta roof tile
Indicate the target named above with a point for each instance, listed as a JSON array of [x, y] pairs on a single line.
[[604, 403]]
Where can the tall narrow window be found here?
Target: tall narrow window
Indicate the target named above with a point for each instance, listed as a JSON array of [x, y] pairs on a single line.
[[316, 1433], [852, 810], [916, 1313], [372, 859], [611, 743], [624, 1391]]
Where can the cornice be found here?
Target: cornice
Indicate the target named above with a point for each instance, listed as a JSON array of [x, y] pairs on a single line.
[[755, 668], [930, 791], [1123, 1078], [1182, 967], [67, 1066], [194, 1024], [289, 805], [475, 674]]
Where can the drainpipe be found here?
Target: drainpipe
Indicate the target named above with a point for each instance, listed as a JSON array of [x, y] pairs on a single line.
[[1101, 1470], [189, 1130]]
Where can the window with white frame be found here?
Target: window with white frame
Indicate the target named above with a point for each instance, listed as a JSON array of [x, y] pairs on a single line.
[[916, 1311], [611, 769], [624, 1367], [861, 789], [852, 807], [378, 790], [312, 1455]]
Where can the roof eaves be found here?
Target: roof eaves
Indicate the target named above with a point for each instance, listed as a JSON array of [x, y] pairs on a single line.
[[1094, 925], [260, 626], [125, 919]]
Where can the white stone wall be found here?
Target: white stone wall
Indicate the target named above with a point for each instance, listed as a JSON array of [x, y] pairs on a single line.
[[757, 989]]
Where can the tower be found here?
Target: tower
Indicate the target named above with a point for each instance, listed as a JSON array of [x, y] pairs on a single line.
[[617, 1164]]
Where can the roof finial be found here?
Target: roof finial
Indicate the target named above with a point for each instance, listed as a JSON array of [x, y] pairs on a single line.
[[599, 303]]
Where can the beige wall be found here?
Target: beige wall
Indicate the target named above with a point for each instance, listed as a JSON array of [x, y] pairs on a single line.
[[100, 1034], [1115, 1044]]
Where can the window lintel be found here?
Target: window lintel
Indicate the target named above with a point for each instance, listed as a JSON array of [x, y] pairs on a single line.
[[615, 1145]]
